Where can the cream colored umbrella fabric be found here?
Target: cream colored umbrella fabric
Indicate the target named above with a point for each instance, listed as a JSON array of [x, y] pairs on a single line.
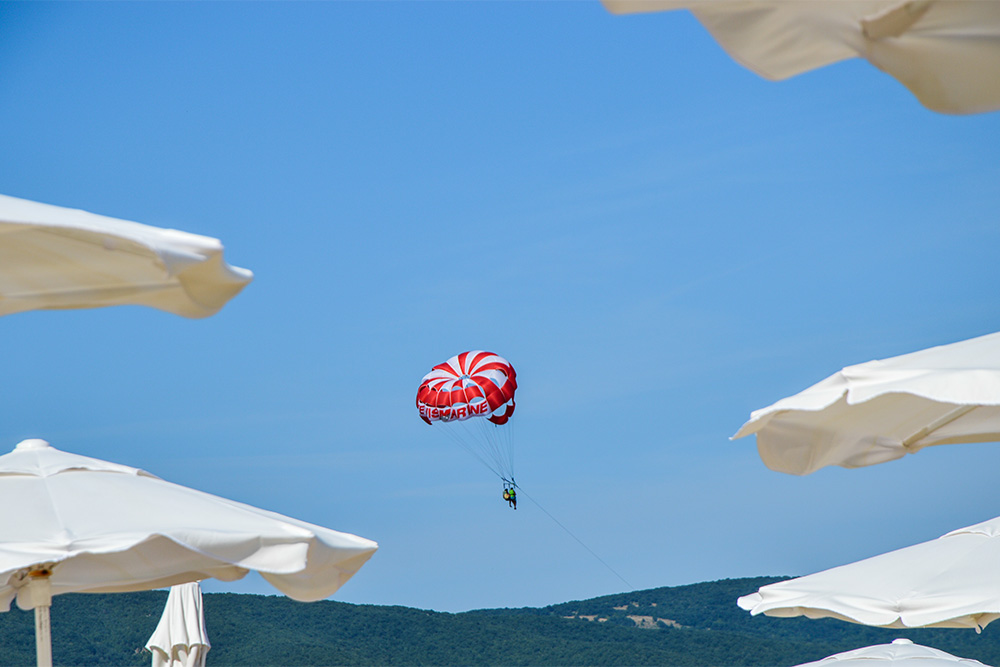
[[882, 410], [950, 582], [900, 653], [77, 524], [53, 257], [947, 52], [180, 638]]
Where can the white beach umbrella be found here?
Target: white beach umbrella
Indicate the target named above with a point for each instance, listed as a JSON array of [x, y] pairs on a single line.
[[53, 257], [900, 653], [180, 638], [882, 410], [77, 524], [950, 582], [947, 52]]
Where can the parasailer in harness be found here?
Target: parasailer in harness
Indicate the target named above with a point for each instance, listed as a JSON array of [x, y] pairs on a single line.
[[509, 494]]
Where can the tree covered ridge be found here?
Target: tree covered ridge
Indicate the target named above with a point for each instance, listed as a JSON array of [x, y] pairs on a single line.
[[707, 628]]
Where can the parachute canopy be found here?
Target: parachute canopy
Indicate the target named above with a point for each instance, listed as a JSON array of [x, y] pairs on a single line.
[[470, 384]]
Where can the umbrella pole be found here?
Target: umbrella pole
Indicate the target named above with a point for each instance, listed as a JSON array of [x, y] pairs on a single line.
[[43, 637], [41, 598]]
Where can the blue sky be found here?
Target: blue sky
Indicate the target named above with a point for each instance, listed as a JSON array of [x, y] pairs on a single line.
[[659, 241]]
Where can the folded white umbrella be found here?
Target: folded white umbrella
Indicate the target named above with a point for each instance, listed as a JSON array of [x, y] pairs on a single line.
[[180, 638], [947, 52], [884, 409], [950, 582], [78, 524], [53, 257], [900, 653]]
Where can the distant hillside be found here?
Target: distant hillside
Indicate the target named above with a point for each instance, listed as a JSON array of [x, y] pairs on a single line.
[[698, 624]]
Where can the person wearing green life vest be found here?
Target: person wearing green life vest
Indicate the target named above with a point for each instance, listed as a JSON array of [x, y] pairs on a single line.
[[510, 496]]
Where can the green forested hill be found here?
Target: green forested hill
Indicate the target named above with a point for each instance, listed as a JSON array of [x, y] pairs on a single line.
[[698, 624]]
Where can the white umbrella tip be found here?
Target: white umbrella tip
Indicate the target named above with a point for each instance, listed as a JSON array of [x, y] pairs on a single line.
[[31, 443], [901, 640]]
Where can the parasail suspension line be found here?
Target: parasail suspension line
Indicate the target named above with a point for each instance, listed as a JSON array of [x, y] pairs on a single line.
[[496, 465], [491, 445]]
